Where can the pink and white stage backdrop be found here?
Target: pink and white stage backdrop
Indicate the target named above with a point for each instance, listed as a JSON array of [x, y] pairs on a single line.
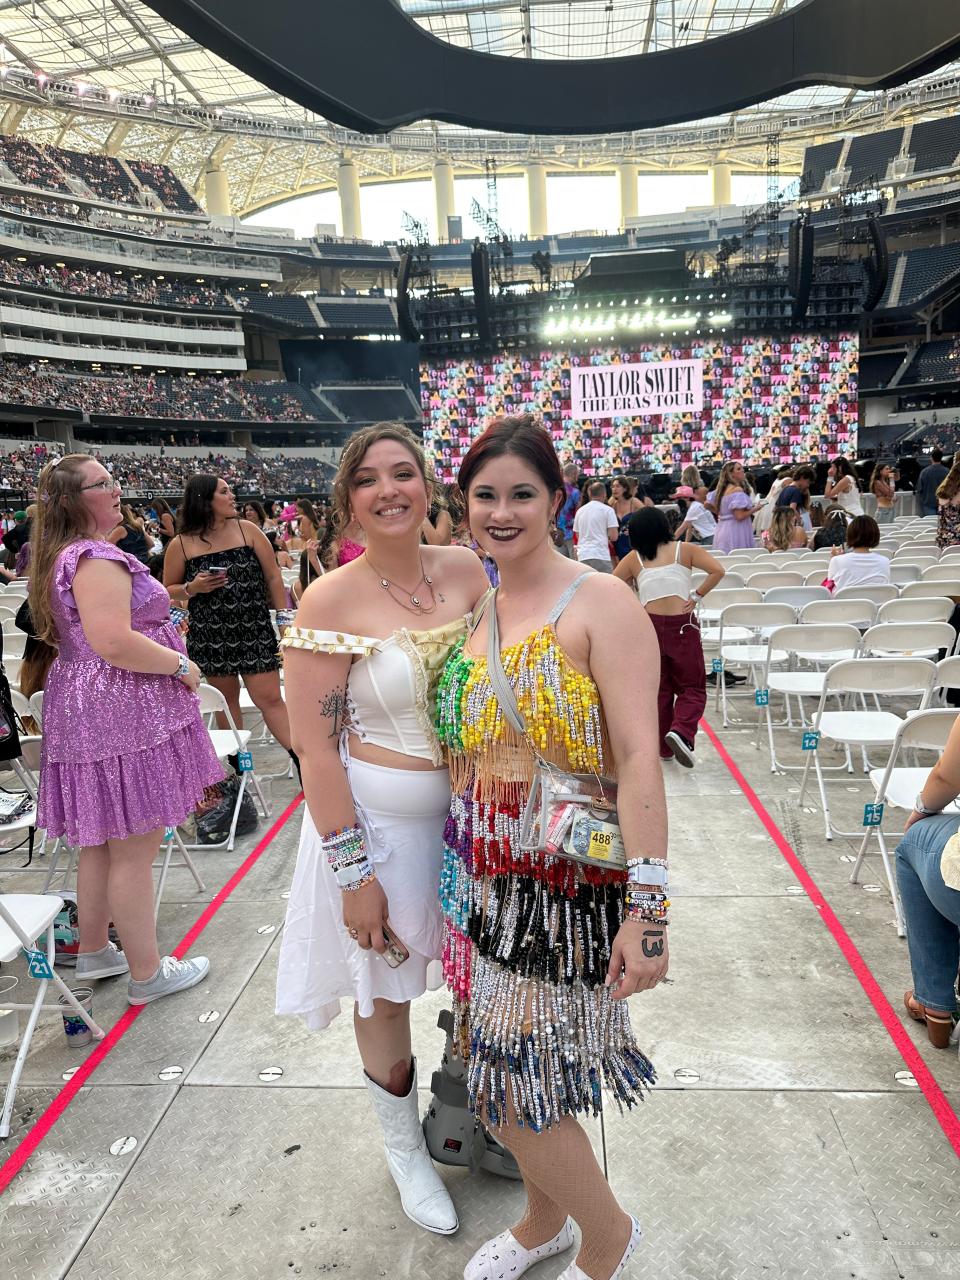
[[656, 406]]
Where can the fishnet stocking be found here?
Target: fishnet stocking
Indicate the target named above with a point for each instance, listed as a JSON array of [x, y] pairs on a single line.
[[561, 1176]]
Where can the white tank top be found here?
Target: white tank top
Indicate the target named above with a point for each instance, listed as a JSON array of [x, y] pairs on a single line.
[[665, 580], [850, 501]]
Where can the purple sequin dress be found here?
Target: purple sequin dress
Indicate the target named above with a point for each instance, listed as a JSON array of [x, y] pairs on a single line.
[[124, 753]]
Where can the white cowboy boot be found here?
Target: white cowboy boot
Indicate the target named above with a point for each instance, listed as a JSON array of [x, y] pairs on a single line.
[[425, 1199]]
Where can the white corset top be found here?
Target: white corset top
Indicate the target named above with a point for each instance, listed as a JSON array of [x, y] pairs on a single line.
[[392, 686]]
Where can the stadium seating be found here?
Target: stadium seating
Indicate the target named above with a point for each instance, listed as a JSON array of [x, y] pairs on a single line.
[[935, 144], [934, 362], [818, 161], [870, 154]]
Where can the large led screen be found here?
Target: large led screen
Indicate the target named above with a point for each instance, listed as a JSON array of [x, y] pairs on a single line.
[[765, 400]]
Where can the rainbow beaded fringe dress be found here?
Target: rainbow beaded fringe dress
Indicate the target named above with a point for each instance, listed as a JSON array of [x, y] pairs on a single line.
[[527, 935]]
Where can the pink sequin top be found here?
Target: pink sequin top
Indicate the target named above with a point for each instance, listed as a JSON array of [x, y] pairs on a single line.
[[349, 550], [92, 709]]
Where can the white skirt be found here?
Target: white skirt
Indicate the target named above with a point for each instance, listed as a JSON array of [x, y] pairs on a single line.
[[402, 813]]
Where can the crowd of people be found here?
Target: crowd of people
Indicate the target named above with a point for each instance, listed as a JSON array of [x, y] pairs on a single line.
[[146, 395], [416, 845], [45, 166], [117, 286], [167, 472]]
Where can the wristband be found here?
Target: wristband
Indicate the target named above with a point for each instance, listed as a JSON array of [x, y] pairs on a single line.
[[183, 666], [921, 808], [347, 857], [285, 617]]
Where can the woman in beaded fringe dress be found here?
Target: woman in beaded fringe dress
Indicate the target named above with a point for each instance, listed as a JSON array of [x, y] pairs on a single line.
[[361, 666], [538, 952]]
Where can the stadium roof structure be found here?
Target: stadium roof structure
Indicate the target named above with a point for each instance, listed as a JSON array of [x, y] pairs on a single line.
[[114, 76]]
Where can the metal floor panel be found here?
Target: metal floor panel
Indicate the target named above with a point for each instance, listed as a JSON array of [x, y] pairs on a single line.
[[728, 1186], [780, 1145], [169, 1033], [55, 1202]]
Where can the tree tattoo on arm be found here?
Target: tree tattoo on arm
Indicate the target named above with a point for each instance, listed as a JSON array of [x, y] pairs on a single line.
[[333, 707]]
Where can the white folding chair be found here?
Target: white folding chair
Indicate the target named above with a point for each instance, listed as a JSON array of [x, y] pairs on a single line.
[[938, 589], [921, 610], [815, 577], [947, 677], [815, 644], [901, 574], [24, 919], [861, 613], [909, 639], [12, 667], [854, 727], [897, 788], [765, 579], [7, 615], [758, 620], [797, 597], [36, 707], [878, 594], [228, 742], [14, 643]]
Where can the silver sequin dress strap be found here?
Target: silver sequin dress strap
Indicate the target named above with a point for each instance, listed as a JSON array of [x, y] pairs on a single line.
[[565, 599]]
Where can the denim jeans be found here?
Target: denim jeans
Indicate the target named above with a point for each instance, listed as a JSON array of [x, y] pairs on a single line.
[[932, 912]]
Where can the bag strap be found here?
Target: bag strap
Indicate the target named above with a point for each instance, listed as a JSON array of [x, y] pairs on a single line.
[[499, 683]]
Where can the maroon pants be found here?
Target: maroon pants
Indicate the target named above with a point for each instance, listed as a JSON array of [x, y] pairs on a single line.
[[683, 681]]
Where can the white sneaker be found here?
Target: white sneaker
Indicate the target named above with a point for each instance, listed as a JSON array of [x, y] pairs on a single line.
[[504, 1258], [108, 962], [172, 976]]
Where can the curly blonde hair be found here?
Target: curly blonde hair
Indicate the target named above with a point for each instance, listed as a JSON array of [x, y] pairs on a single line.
[[355, 450]]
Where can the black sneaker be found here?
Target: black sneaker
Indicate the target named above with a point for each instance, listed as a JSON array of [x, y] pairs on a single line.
[[682, 748], [728, 678]]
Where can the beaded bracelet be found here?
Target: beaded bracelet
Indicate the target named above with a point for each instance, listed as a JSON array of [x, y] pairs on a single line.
[[348, 858]]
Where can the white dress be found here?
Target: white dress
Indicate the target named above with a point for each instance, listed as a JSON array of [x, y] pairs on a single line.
[[391, 694]]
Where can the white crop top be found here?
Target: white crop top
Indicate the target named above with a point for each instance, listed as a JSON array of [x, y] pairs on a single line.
[[665, 580], [392, 687]]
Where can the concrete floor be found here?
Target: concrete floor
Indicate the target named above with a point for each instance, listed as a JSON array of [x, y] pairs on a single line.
[[786, 1138]]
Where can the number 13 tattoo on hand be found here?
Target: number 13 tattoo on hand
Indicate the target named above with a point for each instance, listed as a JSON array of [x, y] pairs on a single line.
[[655, 948]]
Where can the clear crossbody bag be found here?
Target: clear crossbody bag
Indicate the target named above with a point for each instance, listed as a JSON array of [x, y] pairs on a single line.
[[570, 815]]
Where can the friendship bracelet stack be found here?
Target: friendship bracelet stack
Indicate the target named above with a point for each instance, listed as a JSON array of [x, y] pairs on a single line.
[[347, 855], [285, 617], [647, 897]]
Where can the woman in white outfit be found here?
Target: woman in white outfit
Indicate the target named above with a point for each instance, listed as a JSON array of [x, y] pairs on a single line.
[[842, 487], [361, 666]]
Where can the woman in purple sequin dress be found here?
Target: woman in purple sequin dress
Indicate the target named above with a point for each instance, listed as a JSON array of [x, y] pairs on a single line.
[[125, 752], [734, 508]]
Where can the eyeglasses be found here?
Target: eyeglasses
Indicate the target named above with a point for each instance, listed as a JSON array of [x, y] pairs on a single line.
[[105, 485]]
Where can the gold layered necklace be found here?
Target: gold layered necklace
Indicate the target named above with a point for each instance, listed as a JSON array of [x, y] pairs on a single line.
[[416, 600]]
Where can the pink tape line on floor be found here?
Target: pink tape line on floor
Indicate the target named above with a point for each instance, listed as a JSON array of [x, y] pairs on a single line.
[[49, 1117], [946, 1116]]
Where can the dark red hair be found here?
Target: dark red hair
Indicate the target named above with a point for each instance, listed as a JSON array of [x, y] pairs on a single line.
[[523, 436]]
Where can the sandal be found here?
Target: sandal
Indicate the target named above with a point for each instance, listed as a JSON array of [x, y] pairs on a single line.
[[939, 1024]]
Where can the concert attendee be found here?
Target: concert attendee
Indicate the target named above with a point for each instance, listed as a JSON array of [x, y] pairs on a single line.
[[661, 570], [733, 505], [623, 502], [228, 572], [842, 488], [928, 875], [595, 526], [883, 487], [361, 668], [540, 1008], [948, 508], [929, 481], [859, 565], [125, 752]]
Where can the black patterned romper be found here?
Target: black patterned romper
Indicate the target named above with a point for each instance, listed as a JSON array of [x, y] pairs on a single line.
[[231, 632]]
